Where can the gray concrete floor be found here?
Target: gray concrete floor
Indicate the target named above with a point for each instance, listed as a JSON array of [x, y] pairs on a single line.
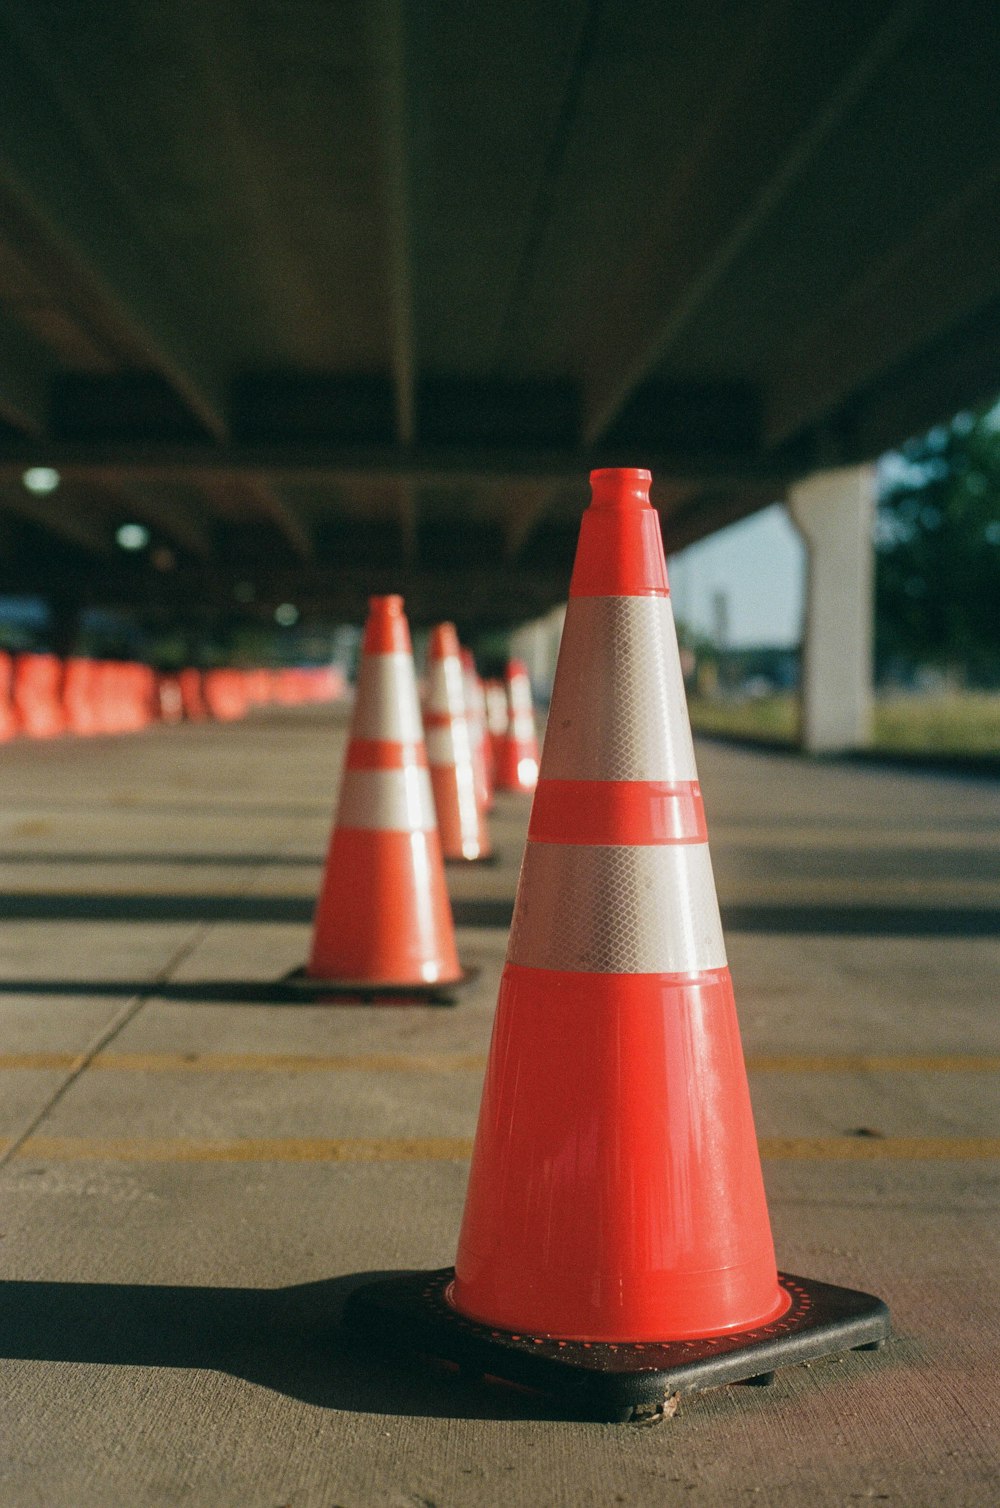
[[192, 1178]]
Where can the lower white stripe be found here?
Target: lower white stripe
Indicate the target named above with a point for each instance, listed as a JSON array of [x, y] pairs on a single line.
[[617, 910], [449, 745], [386, 704], [387, 800]]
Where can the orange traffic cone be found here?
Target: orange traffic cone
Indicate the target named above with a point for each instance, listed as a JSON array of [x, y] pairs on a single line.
[[616, 1246], [482, 753], [496, 720], [517, 760], [449, 750], [383, 921], [9, 723]]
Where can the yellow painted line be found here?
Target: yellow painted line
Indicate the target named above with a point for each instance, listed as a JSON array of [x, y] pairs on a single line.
[[284, 1149], [459, 1062], [236, 1062], [873, 1063], [40, 1059], [878, 1149], [459, 1149]]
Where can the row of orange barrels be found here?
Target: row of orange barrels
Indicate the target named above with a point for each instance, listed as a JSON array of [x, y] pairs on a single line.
[[42, 696]]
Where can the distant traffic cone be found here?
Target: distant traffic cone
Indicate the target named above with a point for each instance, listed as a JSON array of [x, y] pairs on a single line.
[[496, 719], [616, 1245], [79, 694], [449, 751], [482, 753], [9, 722], [383, 920], [517, 761], [38, 695]]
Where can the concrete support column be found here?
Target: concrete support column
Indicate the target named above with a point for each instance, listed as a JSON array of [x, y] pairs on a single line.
[[835, 512]]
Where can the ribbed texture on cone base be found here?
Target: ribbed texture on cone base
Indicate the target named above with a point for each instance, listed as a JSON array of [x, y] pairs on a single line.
[[615, 1191], [383, 914]]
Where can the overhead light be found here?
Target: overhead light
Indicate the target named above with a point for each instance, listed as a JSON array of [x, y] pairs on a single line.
[[286, 614], [41, 479], [132, 536]]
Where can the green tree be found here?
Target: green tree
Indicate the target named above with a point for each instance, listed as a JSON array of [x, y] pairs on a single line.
[[937, 564]]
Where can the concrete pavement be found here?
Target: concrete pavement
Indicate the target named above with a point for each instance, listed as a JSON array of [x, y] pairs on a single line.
[[193, 1178]]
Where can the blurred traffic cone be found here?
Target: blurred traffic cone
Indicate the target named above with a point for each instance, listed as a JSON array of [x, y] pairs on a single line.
[[80, 689], [192, 697], [449, 751], [38, 695], [383, 921], [517, 760], [616, 1245], [9, 723], [496, 719], [482, 753]]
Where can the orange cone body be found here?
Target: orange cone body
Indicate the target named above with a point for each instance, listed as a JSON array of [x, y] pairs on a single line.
[[482, 753], [192, 700], [80, 696], [37, 695], [449, 751], [383, 914], [9, 724], [517, 759], [615, 1192]]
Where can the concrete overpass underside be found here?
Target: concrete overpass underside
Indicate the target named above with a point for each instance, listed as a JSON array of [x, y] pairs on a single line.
[[340, 298]]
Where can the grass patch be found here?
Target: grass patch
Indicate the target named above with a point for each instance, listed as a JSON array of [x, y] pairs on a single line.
[[956, 724]]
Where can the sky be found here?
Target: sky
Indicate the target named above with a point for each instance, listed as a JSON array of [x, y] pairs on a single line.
[[751, 574]]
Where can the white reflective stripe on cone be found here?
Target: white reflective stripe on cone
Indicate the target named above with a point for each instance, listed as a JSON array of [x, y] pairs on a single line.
[[496, 709], [618, 710], [520, 694], [617, 910], [386, 705], [450, 745], [387, 800], [521, 727], [445, 687]]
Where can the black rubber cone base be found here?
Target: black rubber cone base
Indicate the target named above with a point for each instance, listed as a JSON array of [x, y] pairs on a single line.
[[301, 986], [615, 1382]]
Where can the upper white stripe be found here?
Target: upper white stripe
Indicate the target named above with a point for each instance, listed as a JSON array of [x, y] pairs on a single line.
[[446, 687], [617, 910], [519, 689], [618, 710], [386, 705], [387, 800]]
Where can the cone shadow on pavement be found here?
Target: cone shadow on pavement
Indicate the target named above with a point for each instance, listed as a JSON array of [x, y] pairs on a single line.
[[616, 1244]]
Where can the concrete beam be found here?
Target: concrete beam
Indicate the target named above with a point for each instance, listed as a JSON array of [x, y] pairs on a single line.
[[26, 370], [66, 518], [67, 207], [388, 45], [332, 461], [721, 196], [923, 288], [834, 510]]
